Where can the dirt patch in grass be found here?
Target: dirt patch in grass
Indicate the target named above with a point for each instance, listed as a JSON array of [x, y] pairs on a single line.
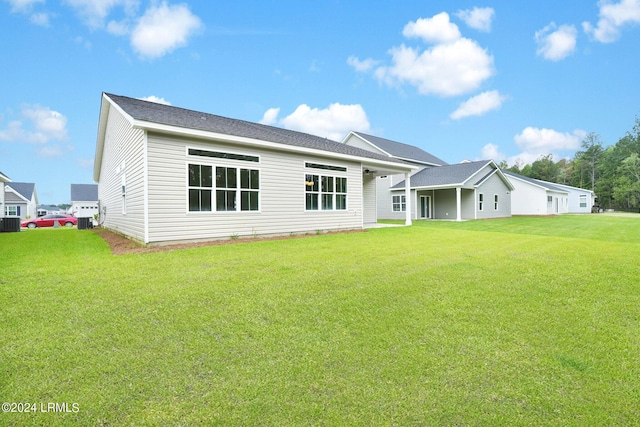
[[120, 244]]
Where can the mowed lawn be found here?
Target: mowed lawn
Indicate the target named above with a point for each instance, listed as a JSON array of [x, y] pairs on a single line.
[[521, 321]]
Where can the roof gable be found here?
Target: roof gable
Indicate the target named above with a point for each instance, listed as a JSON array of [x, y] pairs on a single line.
[[84, 192], [450, 176], [400, 150], [24, 189]]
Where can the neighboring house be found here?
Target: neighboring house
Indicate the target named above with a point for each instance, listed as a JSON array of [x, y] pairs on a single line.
[[580, 199], [84, 200], [536, 197], [3, 179], [469, 190], [167, 174], [50, 210], [20, 199]]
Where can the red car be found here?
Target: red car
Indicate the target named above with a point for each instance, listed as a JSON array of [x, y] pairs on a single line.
[[50, 220]]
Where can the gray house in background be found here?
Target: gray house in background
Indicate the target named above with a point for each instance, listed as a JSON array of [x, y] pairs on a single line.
[[84, 200], [20, 199], [166, 174], [469, 190]]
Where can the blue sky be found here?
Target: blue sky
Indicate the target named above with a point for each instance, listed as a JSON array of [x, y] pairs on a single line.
[[464, 80]]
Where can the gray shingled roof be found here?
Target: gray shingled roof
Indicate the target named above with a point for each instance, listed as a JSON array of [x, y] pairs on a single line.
[[25, 189], [84, 192], [401, 150], [190, 119], [547, 185], [443, 176]]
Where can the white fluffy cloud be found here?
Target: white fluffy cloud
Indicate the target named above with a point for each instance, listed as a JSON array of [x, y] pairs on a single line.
[[36, 125], [156, 99], [545, 141], [333, 122], [162, 29], [437, 29], [479, 105], [536, 142], [613, 16], [556, 43], [452, 65], [479, 18], [491, 152]]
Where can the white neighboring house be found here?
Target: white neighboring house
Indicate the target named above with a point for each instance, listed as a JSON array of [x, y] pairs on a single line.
[[3, 180], [50, 210], [468, 190], [20, 199], [84, 200], [580, 200], [166, 174], [536, 197]]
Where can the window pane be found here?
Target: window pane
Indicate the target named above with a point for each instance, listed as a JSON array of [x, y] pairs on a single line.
[[244, 178], [221, 177], [194, 175], [311, 183], [327, 184], [255, 180], [327, 202], [225, 200], [312, 202], [205, 200], [341, 202], [341, 185], [232, 178], [207, 179], [249, 201], [194, 200]]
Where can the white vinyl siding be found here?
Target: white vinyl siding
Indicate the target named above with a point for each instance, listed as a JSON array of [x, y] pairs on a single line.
[[281, 193], [123, 157]]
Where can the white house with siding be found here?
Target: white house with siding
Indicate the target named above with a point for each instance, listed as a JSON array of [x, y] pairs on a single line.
[[536, 197], [167, 174], [3, 179], [84, 200], [469, 190], [580, 200]]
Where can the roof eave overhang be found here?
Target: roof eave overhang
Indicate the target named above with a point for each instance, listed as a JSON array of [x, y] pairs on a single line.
[[252, 142]]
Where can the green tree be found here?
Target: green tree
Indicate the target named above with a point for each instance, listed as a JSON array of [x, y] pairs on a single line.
[[589, 158], [545, 169]]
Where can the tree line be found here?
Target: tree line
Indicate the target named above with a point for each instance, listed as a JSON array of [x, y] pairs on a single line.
[[612, 173]]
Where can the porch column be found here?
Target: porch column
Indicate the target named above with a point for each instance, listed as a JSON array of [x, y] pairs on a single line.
[[458, 204], [407, 196]]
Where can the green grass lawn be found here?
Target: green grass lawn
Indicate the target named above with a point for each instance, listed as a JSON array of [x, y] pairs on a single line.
[[521, 321]]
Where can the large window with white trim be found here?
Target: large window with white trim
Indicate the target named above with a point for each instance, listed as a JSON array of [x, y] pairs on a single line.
[[235, 189], [325, 192]]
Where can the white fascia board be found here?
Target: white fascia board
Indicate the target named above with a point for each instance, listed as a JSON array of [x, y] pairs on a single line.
[[430, 187], [241, 140]]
